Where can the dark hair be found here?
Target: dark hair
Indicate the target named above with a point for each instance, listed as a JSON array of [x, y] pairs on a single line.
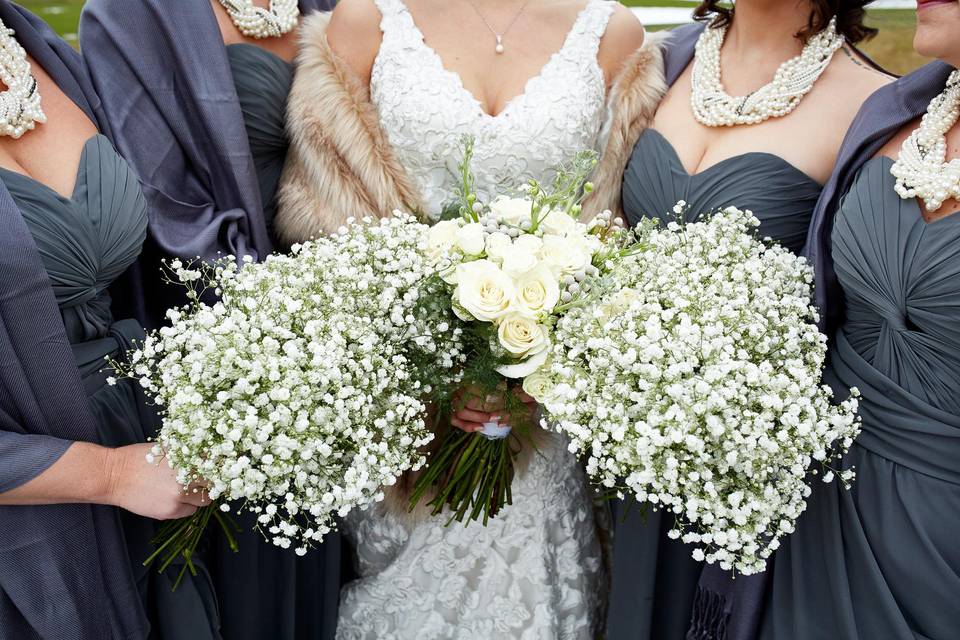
[[850, 15]]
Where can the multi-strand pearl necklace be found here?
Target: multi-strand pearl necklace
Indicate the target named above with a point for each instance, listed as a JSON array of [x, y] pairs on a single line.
[[922, 170], [793, 80], [20, 109], [255, 22]]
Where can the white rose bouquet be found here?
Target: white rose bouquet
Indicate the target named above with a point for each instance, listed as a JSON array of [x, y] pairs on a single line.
[[694, 383], [300, 393], [512, 268]]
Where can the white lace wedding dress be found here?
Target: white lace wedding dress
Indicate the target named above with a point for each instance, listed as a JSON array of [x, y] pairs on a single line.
[[535, 571]]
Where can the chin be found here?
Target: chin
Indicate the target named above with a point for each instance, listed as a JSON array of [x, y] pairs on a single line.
[[938, 30]]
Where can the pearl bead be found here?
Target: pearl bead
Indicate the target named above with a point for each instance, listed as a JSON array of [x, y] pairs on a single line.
[[499, 48], [255, 22], [20, 104], [921, 169], [792, 81]]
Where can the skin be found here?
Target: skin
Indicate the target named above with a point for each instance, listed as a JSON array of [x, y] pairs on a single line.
[[937, 26], [465, 45], [284, 47], [761, 38]]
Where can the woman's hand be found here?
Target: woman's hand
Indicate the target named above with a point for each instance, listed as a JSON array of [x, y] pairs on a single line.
[[149, 489], [473, 408], [93, 474]]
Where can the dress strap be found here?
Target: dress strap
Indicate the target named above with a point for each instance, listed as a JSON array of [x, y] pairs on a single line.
[[591, 24], [396, 23]]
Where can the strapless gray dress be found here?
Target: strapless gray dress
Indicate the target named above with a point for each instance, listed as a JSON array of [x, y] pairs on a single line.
[[85, 242], [654, 579], [264, 592], [882, 560], [263, 83]]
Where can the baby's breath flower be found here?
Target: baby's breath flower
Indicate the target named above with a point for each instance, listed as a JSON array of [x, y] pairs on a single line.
[[695, 384]]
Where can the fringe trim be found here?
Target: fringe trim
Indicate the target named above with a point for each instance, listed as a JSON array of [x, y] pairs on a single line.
[[710, 616]]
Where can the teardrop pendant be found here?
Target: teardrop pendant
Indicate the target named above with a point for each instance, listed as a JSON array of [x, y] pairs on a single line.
[[499, 47]]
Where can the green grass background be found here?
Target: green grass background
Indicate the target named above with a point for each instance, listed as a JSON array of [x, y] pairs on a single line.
[[892, 49]]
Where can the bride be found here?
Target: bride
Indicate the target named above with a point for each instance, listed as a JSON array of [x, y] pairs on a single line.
[[384, 93]]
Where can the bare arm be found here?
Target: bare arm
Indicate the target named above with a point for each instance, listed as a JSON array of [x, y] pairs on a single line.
[[122, 477], [624, 35], [354, 35]]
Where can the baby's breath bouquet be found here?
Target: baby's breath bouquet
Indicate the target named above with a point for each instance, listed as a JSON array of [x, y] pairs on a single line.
[[694, 384], [300, 393], [512, 267]]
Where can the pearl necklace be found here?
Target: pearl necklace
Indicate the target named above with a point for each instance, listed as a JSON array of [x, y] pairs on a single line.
[[20, 109], [921, 169], [793, 80], [255, 22]]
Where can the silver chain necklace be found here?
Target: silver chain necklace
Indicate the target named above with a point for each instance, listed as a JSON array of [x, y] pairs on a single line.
[[499, 36]]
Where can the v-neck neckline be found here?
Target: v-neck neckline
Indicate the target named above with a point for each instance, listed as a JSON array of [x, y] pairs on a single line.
[[457, 79]]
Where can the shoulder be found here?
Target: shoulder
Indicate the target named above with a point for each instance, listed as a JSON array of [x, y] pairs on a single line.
[[624, 35], [354, 34], [856, 76]]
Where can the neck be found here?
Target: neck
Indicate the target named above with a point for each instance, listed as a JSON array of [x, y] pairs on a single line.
[[767, 28]]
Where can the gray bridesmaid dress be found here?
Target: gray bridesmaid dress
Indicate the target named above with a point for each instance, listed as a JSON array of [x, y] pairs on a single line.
[[654, 578], [263, 83], [264, 591], [85, 242], [882, 560]]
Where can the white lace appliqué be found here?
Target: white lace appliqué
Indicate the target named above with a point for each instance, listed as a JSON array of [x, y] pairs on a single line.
[[426, 110]]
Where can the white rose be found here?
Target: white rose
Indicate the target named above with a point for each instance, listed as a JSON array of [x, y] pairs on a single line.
[[565, 255], [526, 367], [483, 290], [518, 262], [498, 245], [617, 303], [511, 210], [529, 242], [470, 239], [539, 386], [557, 222], [521, 335], [441, 237], [537, 291]]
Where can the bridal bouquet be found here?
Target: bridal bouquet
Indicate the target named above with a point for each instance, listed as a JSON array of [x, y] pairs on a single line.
[[512, 268], [300, 394], [694, 383]]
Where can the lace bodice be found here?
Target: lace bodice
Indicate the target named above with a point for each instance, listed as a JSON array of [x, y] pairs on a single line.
[[426, 111]]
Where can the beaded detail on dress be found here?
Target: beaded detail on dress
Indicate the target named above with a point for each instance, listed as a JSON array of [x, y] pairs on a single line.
[[426, 110]]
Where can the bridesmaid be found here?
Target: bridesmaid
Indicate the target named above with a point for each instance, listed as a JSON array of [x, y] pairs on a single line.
[[196, 92], [769, 152], [72, 218], [881, 560]]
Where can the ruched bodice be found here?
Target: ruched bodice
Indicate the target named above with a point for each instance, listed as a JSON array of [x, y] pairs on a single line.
[[881, 560], [88, 240], [779, 194], [263, 83], [901, 282]]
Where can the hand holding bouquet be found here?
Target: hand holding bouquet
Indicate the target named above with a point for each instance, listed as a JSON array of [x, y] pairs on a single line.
[[512, 268], [300, 394]]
